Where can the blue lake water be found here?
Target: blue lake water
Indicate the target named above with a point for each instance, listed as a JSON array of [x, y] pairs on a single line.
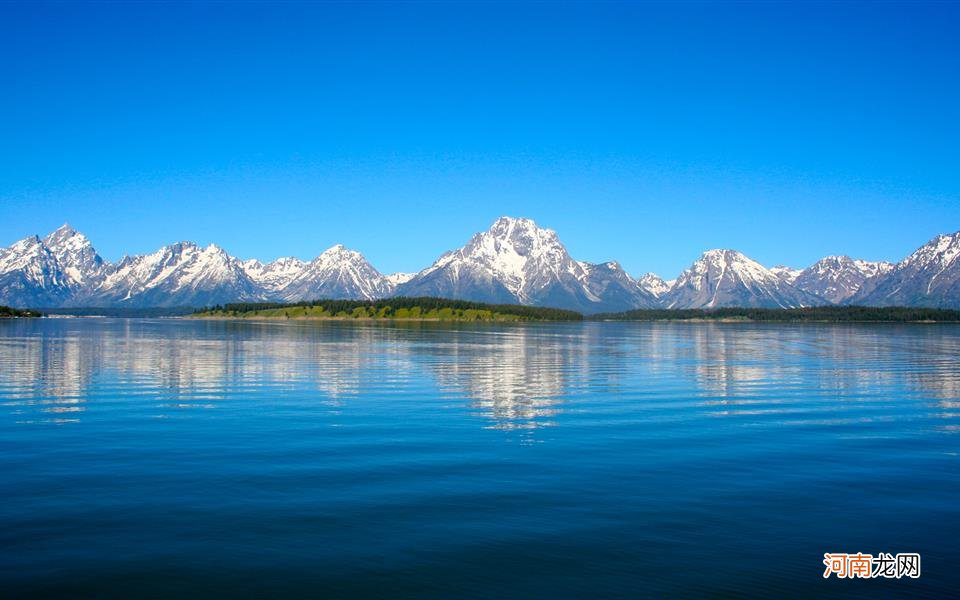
[[197, 458]]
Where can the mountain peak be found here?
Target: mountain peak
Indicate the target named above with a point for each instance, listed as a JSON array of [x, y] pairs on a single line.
[[338, 272], [27, 242], [722, 258], [654, 284], [785, 272], [396, 279], [182, 245], [518, 261], [506, 222], [928, 277], [723, 277], [513, 228], [339, 253], [725, 254], [837, 277], [65, 235]]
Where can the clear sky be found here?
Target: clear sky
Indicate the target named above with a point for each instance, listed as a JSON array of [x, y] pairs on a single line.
[[641, 132]]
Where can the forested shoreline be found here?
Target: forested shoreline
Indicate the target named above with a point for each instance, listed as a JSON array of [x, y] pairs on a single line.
[[400, 308], [830, 314], [441, 309], [8, 312]]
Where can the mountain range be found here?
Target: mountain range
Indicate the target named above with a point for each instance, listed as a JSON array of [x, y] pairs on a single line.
[[515, 261]]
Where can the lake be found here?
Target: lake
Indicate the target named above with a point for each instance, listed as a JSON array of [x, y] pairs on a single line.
[[170, 457]]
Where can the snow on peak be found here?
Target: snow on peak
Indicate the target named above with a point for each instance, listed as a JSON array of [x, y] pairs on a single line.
[[396, 279], [339, 252], [941, 251], [730, 278], [654, 284], [23, 253], [788, 274], [62, 232], [276, 275], [516, 260], [838, 277], [930, 276], [505, 223], [517, 253], [737, 262], [338, 272], [76, 256]]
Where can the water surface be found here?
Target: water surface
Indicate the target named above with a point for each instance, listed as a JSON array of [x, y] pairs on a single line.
[[174, 457]]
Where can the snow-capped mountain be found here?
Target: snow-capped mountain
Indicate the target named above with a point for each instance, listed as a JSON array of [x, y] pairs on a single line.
[[337, 273], [836, 278], [31, 275], [181, 274], [76, 256], [654, 284], [63, 269], [515, 261], [928, 277], [615, 289], [274, 276], [396, 279], [49, 271], [788, 274], [729, 278]]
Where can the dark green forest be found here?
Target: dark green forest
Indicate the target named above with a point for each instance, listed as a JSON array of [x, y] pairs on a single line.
[[6, 311], [392, 308], [426, 308]]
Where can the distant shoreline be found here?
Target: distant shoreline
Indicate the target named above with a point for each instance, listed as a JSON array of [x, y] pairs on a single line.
[[735, 321], [699, 321], [815, 314], [340, 319], [440, 309], [444, 310], [7, 312]]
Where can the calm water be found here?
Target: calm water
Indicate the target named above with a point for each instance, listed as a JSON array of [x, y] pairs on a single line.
[[171, 457]]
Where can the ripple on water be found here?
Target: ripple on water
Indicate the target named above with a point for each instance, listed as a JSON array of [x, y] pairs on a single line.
[[173, 456]]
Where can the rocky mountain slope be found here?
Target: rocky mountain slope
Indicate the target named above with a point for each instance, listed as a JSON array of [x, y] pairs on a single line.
[[928, 277], [515, 261], [837, 278], [729, 278]]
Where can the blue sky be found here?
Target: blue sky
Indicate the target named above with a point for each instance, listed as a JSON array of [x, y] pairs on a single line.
[[641, 132]]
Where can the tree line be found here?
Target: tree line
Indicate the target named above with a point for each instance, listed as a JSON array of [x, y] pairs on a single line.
[[6, 311], [835, 314], [399, 307]]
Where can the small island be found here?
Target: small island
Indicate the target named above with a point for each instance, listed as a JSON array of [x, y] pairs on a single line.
[[397, 309]]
